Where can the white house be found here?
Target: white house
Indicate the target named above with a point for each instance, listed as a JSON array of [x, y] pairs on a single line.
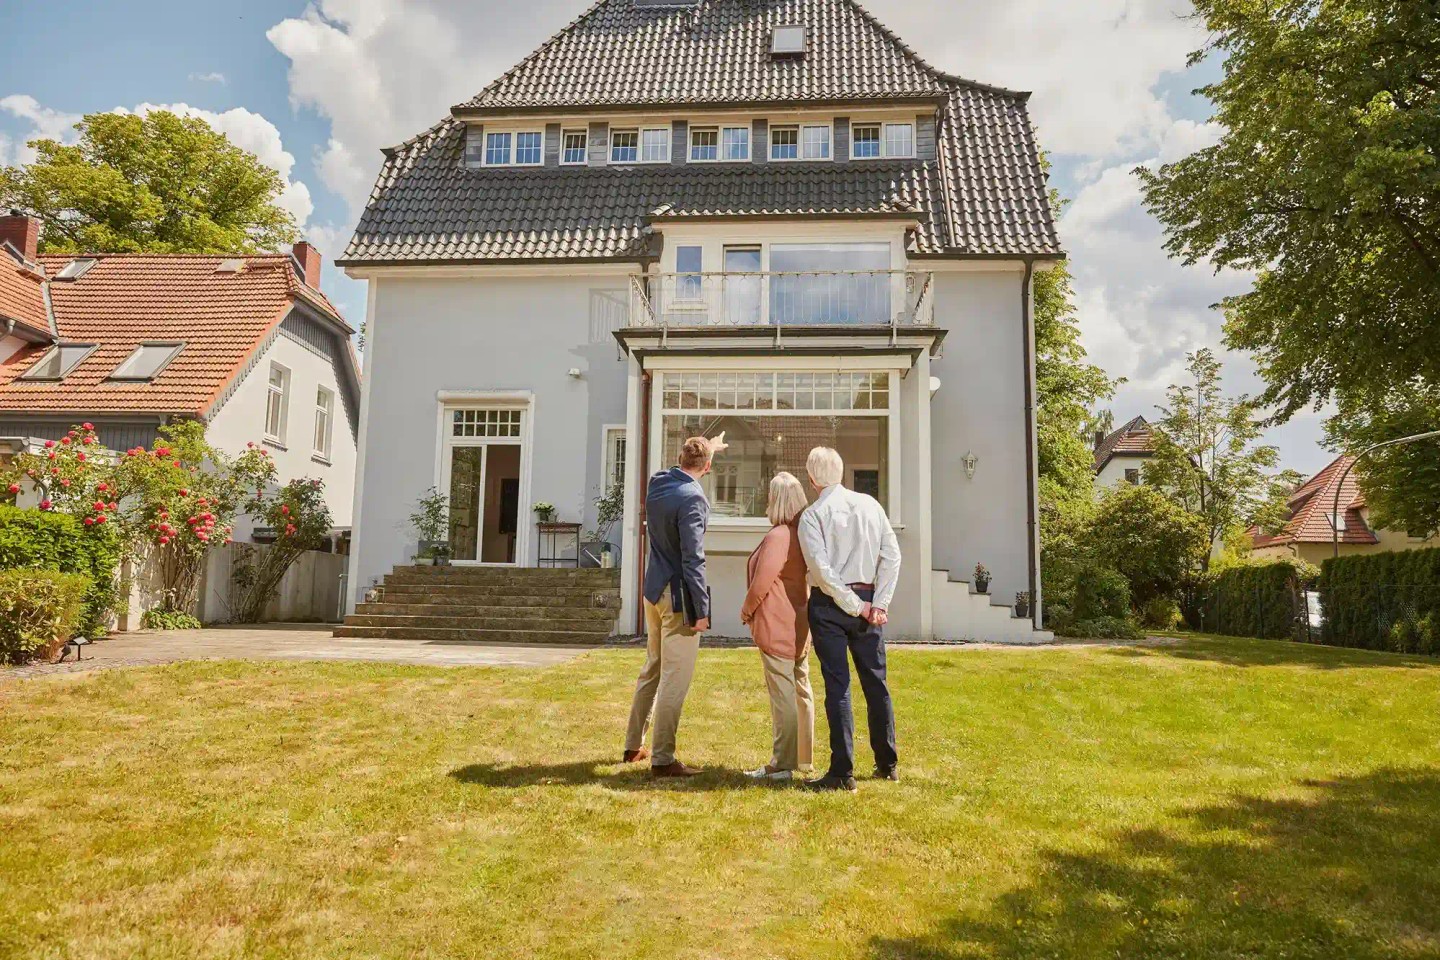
[[1120, 455], [768, 217]]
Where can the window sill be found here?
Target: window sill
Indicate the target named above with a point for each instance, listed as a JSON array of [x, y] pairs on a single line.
[[321, 459], [276, 443]]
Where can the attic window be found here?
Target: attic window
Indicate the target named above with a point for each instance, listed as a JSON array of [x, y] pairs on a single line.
[[147, 361], [75, 269], [788, 41], [230, 266], [57, 364], [1337, 520]]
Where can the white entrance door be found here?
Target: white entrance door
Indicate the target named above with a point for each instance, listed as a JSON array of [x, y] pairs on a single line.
[[481, 471]]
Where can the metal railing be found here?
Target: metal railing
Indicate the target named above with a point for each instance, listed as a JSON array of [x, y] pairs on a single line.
[[832, 298]]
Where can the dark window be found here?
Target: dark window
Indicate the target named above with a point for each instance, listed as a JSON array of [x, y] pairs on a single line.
[[1132, 476]]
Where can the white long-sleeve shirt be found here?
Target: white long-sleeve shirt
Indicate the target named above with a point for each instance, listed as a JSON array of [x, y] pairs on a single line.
[[847, 538]]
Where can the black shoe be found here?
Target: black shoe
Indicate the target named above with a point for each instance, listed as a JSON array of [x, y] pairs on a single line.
[[893, 774], [828, 783]]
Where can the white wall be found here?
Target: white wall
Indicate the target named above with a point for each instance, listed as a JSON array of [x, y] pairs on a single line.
[[241, 420], [1113, 473]]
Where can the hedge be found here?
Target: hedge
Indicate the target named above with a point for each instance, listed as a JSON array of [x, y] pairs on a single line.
[[40, 612], [32, 539], [1383, 601], [1251, 600]]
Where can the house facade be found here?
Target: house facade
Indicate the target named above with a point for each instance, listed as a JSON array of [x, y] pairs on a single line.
[[768, 218], [1120, 455], [129, 342]]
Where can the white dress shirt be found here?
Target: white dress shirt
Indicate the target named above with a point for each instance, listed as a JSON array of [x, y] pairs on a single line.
[[847, 538]]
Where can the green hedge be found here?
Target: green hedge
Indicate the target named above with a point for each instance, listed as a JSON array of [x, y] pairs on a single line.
[[1383, 601], [1252, 600], [32, 539], [40, 612]]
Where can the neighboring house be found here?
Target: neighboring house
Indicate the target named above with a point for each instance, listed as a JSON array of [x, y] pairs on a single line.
[[247, 344], [766, 217], [1311, 521], [1120, 456]]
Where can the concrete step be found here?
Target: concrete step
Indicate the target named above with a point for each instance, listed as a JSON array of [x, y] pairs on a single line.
[[561, 623], [503, 575], [462, 635], [484, 593], [570, 612]]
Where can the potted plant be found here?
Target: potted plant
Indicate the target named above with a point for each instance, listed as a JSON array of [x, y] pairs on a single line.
[[1022, 604], [544, 512], [431, 522], [609, 509], [982, 579]]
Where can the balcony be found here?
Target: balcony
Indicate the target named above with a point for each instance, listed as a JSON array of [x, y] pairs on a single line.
[[843, 298]]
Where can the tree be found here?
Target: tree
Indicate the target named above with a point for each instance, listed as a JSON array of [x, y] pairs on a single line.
[[301, 521], [160, 183], [1402, 483], [1206, 456], [1152, 541]]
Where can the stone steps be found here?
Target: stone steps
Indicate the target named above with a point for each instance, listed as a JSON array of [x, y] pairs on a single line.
[[447, 609], [465, 635], [564, 624], [962, 614]]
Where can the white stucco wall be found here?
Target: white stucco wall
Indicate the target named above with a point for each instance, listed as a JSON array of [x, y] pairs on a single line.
[[1113, 473], [241, 420]]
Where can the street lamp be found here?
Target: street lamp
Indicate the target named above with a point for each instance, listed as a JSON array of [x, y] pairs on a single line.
[[1335, 511]]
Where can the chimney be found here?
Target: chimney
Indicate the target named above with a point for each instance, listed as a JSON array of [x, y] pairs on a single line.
[[22, 231], [1099, 438], [310, 260]]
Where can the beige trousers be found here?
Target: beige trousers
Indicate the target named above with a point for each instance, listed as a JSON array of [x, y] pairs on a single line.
[[665, 680], [792, 711]]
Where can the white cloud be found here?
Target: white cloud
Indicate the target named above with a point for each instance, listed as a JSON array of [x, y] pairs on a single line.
[[209, 78], [44, 123]]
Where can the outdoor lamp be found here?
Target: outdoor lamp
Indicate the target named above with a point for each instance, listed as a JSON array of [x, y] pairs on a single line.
[[970, 461]]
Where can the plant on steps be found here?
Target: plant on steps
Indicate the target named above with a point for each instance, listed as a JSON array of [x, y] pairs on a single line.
[[982, 579], [431, 523]]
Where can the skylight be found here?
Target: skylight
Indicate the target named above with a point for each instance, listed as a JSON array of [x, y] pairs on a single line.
[[147, 361], [75, 269], [57, 364], [787, 41], [230, 266]]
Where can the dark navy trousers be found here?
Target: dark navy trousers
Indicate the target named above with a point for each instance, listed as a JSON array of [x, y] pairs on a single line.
[[835, 634]]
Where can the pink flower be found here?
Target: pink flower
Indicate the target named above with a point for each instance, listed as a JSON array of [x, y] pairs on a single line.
[[14, 488], [164, 540], [50, 455], [64, 482], [99, 506], [89, 521], [49, 444], [80, 457], [100, 519], [102, 487], [65, 440], [284, 510], [201, 535], [87, 426], [114, 507], [46, 505]]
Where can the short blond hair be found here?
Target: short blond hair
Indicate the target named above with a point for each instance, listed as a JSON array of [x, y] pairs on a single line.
[[695, 454], [825, 467], [787, 499]]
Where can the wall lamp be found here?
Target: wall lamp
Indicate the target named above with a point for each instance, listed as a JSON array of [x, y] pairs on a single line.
[[971, 462]]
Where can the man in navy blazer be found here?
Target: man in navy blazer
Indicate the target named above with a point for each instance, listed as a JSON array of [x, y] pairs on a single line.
[[677, 605]]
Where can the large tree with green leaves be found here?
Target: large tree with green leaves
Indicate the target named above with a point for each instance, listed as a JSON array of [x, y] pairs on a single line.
[[158, 183], [1207, 458], [1401, 483]]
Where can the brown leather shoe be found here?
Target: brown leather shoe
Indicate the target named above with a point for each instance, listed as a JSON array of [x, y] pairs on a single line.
[[635, 756], [676, 769]]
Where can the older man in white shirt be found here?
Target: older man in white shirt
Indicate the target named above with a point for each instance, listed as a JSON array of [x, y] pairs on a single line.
[[854, 563]]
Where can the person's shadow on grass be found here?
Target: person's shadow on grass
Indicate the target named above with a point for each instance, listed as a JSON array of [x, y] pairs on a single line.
[[605, 773]]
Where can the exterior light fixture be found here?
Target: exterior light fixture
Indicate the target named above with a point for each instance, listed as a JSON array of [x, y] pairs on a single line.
[[971, 462], [574, 373]]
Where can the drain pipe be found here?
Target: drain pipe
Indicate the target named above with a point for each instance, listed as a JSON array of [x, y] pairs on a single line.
[[1032, 520], [641, 544]]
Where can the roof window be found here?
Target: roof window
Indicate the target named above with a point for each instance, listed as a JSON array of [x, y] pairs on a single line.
[[788, 41], [57, 364], [147, 361], [233, 265], [75, 269]]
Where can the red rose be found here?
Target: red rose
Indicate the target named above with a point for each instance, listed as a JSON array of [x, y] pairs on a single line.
[[46, 504], [14, 488], [102, 487], [184, 493], [89, 521], [87, 426], [80, 457], [49, 444], [100, 519], [164, 540], [202, 535], [65, 440], [64, 482]]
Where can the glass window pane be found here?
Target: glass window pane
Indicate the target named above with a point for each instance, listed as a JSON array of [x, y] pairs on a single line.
[[736, 143], [784, 143], [576, 146], [704, 145], [146, 361], [624, 146], [466, 474], [655, 146], [817, 143], [529, 148], [497, 148], [835, 283], [866, 139], [899, 139]]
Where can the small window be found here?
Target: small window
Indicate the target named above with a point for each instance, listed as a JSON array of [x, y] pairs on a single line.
[[147, 361], [576, 149], [614, 458], [704, 144], [497, 149], [57, 364], [735, 143], [784, 143], [75, 269], [865, 141], [899, 139], [787, 41], [1337, 520], [655, 145], [324, 416], [233, 265], [1132, 476], [277, 403], [624, 146], [529, 149], [689, 267], [815, 142]]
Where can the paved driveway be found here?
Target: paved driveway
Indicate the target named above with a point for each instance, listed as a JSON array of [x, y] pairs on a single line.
[[288, 643]]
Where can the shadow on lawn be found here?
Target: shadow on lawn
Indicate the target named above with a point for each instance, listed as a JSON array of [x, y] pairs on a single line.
[[606, 773], [1245, 652], [1353, 872]]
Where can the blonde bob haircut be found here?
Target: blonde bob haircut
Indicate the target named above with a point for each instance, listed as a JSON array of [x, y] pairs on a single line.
[[787, 499]]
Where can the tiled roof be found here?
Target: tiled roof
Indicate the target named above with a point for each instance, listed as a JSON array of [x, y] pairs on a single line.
[[1310, 506], [124, 300], [21, 298], [622, 53], [984, 194], [1134, 439]]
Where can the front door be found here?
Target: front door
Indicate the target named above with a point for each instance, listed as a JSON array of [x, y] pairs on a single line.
[[481, 472]]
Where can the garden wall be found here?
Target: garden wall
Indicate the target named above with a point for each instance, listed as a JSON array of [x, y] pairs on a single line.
[[309, 593]]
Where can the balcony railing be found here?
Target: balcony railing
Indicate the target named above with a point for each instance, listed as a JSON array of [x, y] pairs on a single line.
[[837, 298]]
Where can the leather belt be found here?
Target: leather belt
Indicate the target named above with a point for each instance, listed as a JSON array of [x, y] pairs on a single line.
[[861, 586]]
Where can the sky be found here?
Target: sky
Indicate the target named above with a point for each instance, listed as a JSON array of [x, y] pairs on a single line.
[[316, 89]]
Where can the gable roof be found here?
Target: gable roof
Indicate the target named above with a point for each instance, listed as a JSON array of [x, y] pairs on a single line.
[[984, 194], [1310, 506], [127, 299], [1135, 439]]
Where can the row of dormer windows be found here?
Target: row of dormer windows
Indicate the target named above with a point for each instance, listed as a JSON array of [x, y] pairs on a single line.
[[703, 143]]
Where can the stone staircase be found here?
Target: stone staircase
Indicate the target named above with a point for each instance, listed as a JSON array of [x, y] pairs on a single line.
[[961, 614], [490, 605]]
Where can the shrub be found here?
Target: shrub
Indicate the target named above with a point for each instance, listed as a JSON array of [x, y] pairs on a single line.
[[1161, 613], [1382, 601], [1104, 628], [1101, 592], [1259, 599], [40, 611], [168, 620], [1148, 538], [1089, 600], [34, 539]]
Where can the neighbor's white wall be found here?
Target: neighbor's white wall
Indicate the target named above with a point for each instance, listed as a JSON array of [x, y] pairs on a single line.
[[1113, 473], [242, 420], [980, 407], [434, 334]]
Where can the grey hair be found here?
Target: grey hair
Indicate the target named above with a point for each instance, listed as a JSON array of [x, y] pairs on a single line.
[[825, 467], [787, 499]]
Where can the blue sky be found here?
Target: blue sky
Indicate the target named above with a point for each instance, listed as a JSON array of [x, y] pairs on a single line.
[[316, 88]]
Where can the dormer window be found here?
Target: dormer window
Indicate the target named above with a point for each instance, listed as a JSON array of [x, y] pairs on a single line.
[[800, 142], [147, 361], [874, 141], [520, 148], [75, 269], [643, 145], [788, 41], [576, 149], [57, 364]]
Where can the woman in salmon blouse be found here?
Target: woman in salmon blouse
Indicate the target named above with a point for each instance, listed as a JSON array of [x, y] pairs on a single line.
[[775, 611]]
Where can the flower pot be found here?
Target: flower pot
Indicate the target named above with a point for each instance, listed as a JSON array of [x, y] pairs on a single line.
[[424, 561], [1022, 609], [982, 586]]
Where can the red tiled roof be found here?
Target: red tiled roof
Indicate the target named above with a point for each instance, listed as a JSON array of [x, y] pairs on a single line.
[[1310, 506], [1134, 439], [126, 299], [21, 298]]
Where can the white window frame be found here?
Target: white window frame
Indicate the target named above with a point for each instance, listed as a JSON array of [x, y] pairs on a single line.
[[800, 154], [883, 126], [584, 135], [749, 129], [512, 154], [719, 145], [65, 371], [325, 410], [612, 462], [619, 131], [775, 128], [668, 138], [277, 437], [447, 402]]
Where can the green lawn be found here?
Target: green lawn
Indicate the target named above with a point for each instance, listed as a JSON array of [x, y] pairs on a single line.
[[1217, 798]]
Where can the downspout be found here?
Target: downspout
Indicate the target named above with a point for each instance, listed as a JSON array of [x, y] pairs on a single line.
[[641, 544], [1032, 520]]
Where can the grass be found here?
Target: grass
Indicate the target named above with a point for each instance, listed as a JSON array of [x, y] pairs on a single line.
[[1215, 798]]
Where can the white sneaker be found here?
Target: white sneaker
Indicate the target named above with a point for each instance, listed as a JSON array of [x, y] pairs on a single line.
[[765, 773]]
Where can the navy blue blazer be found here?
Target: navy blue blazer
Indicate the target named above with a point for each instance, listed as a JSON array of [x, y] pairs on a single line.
[[676, 514]]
